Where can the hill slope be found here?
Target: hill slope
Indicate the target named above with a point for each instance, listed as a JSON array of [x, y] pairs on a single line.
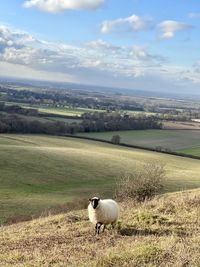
[[38, 172], [161, 232], [175, 140]]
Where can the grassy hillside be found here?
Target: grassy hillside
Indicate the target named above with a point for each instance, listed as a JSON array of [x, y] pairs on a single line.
[[162, 232], [38, 172], [176, 140]]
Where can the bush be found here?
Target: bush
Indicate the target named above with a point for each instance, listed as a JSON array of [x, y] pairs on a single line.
[[115, 139], [143, 184]]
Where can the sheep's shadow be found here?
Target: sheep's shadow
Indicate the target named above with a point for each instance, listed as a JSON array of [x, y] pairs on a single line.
[[131, 231]]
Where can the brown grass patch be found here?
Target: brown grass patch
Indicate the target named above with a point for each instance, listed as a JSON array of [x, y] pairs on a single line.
[[162, 232]]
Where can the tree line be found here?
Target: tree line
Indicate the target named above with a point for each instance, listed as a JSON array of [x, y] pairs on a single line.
[[91, 122], [63, 98], [114, 121], [18, 109]]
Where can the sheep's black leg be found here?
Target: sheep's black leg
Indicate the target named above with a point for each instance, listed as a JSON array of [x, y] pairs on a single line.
[[98, 227], [104, 227]]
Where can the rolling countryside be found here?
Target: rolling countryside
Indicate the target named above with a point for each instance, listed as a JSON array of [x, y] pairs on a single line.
[[99, 133], [39, 172]]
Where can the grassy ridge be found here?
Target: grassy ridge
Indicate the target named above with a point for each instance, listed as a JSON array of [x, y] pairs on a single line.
[[162, 232], [176, 140], [38, 172]]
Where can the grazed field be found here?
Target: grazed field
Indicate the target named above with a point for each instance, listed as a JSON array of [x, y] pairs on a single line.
[[38, 172], [172, 139], [162, 232]]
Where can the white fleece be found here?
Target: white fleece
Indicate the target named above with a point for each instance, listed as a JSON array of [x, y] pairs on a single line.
[[106, 212]]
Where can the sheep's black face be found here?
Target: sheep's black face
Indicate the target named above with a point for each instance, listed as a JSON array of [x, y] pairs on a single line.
[[94, 202]]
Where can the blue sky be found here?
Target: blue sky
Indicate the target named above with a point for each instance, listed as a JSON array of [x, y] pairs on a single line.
[[138, 44]]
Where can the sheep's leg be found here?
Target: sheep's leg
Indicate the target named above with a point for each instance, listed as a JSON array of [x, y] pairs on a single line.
[[104, 227], [113, 225], [98, 227]]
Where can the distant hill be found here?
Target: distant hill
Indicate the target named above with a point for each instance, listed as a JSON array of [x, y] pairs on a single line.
[[100, 89]]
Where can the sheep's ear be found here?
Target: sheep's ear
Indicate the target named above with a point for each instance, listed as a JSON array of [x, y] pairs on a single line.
[[90, 199]]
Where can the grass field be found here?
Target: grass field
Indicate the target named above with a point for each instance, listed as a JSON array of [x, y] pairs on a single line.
[[66, 120], [38, 172], [64, 111], [51, 119], [67, 111], [187, 141], [162, 232], [191, 151]]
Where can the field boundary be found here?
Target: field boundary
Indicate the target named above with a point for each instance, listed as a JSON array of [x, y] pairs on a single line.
[[183, 155]]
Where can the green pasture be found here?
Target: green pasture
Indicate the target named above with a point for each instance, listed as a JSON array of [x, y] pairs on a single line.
[[186, 141], [64, 111], [67, 111], [38, 172], [191, 151]]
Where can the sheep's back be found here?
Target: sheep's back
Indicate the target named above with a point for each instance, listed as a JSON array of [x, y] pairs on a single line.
[[110, 211]]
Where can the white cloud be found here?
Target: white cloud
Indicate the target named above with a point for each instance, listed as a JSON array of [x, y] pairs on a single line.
[[96, 62], [97, 56], [169, 28], [22, 56], [133, 23], [102, 45], [54, 6], [129, 61]]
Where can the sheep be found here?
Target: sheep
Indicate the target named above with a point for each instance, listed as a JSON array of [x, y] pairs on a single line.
[[102, 212]]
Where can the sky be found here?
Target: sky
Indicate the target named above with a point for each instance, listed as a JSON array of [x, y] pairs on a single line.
[[149, 45]]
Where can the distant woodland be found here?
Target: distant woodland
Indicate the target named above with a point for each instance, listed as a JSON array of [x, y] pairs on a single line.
[[20, 111], [12, 122]]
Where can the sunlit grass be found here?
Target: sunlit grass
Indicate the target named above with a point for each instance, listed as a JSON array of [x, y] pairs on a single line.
[[38, 172]]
